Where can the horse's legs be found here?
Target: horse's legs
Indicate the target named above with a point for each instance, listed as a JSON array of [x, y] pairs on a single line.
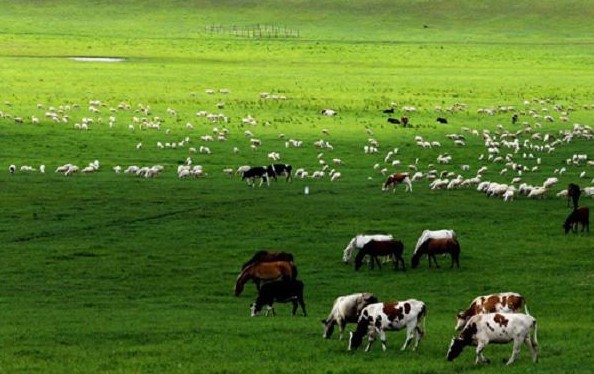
[[434, 260], [379, 263]]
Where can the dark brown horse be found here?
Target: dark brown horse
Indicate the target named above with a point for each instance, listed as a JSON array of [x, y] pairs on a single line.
[[265, 256], [265, 271], [432, 247], [573, 193], [578, 216], [391, 248]]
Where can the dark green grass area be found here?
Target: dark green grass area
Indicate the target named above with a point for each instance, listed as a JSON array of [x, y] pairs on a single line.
[[112, 273]]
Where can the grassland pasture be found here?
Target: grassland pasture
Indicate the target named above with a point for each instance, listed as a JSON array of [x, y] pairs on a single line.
[[111, 272]]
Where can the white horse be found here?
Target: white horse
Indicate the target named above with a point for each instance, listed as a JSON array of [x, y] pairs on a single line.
[[359, 241], [434, 234]]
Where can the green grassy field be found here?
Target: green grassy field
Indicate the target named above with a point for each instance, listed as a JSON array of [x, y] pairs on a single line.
[[106, 272]]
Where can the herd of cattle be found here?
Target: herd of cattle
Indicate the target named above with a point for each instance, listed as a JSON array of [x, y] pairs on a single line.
[[494, 318]]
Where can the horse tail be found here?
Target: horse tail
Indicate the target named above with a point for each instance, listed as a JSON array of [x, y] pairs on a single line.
[[293, 270]]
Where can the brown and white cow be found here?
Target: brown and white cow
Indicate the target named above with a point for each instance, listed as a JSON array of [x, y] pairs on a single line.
[[504, 302], [483, 329], [378, 318], [397, 178], [346, 309]]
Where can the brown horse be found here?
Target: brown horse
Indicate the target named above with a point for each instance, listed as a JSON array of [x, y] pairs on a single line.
[[432, 247], [265, 271], [265, 256], [373, 248]]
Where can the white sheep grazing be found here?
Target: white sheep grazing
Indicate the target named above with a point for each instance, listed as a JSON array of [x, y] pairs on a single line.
[[336, 175], [42, 169], [337, 161], [12, 169], [588, 191], [537, 192], [562, 193], [117, 169], [228, 171], [63, 168], [550, 182], [235, 150], [242, 169], [204, 150], [508, 195], [71, 170]]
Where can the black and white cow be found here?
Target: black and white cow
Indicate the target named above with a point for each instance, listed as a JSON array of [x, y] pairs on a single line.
[[378, 318], [282, 291], [346, 309], [275, 170], [256, 172], [483, 329]]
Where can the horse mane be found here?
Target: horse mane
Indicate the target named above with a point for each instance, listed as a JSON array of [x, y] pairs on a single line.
[[255, 258]]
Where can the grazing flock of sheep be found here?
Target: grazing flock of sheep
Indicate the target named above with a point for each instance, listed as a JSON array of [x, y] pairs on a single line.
[[510, 152]]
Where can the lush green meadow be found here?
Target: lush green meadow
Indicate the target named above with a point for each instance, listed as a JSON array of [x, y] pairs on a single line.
[[107, 272]]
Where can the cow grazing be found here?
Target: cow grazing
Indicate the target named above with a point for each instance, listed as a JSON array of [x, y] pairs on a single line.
[[378, 318], [442, 120], [503, 302], [483, 329], [394, 121], [346, 309], [283, 291], [275, 170], [578, 216], [397, 178], [388, 111], [256, 172]]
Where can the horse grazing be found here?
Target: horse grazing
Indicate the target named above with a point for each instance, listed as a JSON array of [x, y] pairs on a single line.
[[434, 247], [391, 248], [265, 271], [265, 256], [578, 216], [434, 234], [573, 193], [359, 241], [397, 178]]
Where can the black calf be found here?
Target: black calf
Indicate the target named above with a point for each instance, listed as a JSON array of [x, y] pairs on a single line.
[[280, 291]]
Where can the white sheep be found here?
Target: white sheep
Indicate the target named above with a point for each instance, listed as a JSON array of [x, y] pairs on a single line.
[[335, 176], [537, 192]]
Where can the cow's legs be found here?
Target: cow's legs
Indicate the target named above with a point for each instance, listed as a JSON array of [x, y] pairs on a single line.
[[515, 351], [382, 336], [302, 303], [370, 338], [410, 334], [532, 346], [480, 358], [341, 326]]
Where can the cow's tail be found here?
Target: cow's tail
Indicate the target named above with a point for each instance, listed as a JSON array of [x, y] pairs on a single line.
[[421, 320], [535, 327], [526, 309]]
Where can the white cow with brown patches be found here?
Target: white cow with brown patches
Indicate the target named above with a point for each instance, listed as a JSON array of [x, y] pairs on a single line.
[[378, 318], [395, 179], [503, 302], [483, 329]]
